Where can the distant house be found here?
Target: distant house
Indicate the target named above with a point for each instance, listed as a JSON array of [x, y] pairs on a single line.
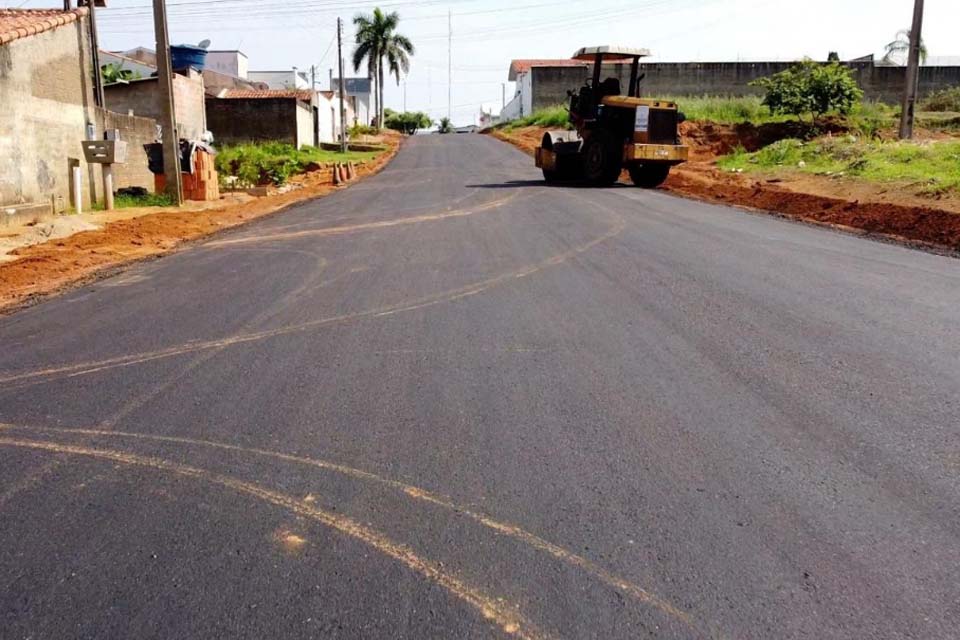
[[46, 108], [528, 94], [284, 115], [141, 54], [228, 62], [358, 94], [291, 79]]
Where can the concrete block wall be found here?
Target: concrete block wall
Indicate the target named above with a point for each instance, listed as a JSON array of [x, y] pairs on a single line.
[[137, 132], [46, 87], [550, 84], [141, 98], [234, 121]]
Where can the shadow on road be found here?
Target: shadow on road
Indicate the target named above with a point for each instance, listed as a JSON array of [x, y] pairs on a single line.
[[513, 184]]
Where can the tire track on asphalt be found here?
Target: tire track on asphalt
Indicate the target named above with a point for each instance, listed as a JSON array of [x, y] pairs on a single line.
[[492, 609], [623, 586]]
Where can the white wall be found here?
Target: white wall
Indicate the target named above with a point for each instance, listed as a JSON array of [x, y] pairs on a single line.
[[280, 79], [231, 63], [329, 117], [522, 103]]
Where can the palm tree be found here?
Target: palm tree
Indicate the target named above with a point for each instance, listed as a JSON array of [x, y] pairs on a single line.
[[377, 42], [901, 47]]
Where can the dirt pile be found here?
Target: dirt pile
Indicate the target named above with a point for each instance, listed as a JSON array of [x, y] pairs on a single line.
[[44, 268], [864, 207], [915, 224]]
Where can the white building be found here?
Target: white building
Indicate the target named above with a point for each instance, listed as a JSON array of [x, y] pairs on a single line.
[[521, 74], [358, 92], [228, 62], [328, 115], [292, 79], [139, 68]]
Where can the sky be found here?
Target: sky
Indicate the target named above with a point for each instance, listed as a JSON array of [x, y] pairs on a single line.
[[487, 34]]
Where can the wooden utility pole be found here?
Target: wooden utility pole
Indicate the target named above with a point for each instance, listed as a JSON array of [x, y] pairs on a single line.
[[343, 109], [168, 120], [95, 54], [913, 73]]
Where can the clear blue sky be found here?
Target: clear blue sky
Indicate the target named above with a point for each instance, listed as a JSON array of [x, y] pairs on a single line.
[[487, 34]]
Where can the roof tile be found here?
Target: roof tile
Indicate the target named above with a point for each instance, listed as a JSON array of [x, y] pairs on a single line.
[[21, 23], [242, 94], [522, 66]]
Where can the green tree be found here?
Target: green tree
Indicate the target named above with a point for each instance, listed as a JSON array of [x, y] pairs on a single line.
[[114, 72], [408, 122], [900, 48], [811, 87], [383, 49], [445, 125]]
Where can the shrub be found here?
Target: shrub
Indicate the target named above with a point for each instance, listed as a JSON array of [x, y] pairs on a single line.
[[408, 122], [362, 130], [811, 87], [944, 100]]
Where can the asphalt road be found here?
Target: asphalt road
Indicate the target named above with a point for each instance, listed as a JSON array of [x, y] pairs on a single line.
[[451, 402]]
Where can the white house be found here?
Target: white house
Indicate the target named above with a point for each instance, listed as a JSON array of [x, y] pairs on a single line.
[[228, 62], [328, 115], [292, 79], [358, 92]]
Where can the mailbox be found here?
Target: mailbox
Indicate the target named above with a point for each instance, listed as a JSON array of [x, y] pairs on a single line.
[[105, 151]]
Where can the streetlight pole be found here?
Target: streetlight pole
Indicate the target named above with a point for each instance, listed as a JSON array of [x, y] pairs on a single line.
[[913, 73]]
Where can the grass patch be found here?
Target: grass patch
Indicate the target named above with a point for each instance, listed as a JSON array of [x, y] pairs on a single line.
[[274, 162], [127, 201], [934, 166], [552, 118]]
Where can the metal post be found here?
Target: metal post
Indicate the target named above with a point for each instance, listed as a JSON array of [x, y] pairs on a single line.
[[913, 73], [503, 96], [343, 110], [168, 119]]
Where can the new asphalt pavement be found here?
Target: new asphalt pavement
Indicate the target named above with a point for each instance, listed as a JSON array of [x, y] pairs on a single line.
[[453, 402]]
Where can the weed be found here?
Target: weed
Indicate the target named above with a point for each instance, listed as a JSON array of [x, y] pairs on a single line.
[[274, 162]]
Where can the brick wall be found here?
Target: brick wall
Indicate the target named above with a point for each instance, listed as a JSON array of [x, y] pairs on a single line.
[[141, 97], [550, 84], [252, 120], [46, 86], [137, 132]]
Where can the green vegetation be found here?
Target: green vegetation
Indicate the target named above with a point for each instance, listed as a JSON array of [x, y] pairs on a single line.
[[362, 130], [811, 87], [274, 162], [114, 72], [896, 52], [124, 201], [445, 125], [408, 122], [935, 167], [552, 118], [379, 44], [941, 101]]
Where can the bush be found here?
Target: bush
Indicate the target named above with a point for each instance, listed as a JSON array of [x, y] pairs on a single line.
[[811, 87], [944, 100], [408, 122], [260, 164], [362, 130]]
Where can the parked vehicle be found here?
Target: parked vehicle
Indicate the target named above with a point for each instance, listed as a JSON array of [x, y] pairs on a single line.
[[613, 131]]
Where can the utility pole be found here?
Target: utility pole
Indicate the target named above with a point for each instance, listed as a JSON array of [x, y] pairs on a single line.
[[343, 110], [95, 54], [913, 73], [313, 77], [168, 119], [449, 65]]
